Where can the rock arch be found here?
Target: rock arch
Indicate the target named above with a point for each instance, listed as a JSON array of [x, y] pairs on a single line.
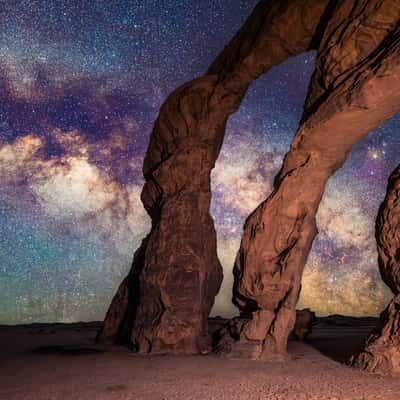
[[163, 304]]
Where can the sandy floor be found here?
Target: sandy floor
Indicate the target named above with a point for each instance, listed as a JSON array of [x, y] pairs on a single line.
[[61, 362]]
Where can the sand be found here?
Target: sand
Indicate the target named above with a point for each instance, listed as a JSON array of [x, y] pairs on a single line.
[[61, 362]]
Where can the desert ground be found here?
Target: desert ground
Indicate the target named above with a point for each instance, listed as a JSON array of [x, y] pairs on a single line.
[[61, 361]]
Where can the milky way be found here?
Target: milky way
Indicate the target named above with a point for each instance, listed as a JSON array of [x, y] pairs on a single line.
[[81, 84]]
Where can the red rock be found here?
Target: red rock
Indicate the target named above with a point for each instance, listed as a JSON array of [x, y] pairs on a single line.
[[382, 349]]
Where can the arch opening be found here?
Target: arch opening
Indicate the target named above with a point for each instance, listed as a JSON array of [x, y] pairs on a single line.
[[342, 268], [257, 137]]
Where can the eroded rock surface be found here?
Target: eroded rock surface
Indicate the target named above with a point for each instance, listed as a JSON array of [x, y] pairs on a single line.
[[382, 350]]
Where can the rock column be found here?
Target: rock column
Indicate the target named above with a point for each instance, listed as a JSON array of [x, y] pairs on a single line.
[[382, 350]]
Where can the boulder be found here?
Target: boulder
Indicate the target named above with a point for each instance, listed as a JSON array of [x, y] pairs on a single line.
[[305, 319]]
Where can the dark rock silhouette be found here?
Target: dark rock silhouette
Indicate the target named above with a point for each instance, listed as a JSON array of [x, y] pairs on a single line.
[[382, 350], [305, 319], [162, 306]]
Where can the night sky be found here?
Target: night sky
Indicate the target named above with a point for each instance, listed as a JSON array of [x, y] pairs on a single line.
[[81, 83]]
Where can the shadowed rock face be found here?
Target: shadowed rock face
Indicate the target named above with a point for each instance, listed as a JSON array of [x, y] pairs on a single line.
[[163, 304], [382, 350]]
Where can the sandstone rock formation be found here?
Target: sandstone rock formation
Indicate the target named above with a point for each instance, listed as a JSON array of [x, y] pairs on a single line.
[[355, 86], [164, 302], [382, 349]]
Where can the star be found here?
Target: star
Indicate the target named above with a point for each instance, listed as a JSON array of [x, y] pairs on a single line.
[[374, 154]]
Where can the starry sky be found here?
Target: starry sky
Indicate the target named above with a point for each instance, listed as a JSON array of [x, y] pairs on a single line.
[[81, 83]]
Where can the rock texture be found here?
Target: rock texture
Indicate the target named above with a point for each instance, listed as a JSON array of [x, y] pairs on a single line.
[[162, 306], [355, 86], [382, 350]]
